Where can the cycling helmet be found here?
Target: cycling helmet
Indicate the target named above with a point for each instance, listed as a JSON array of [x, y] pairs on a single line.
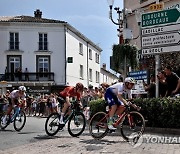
[[129, 80], [79, 86], [22, 88]]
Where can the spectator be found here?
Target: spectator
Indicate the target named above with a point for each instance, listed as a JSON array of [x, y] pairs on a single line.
[[54, 103], [173, 81], [162, 84], [19, 74], [151, 88], [26, 73], [120, 79]]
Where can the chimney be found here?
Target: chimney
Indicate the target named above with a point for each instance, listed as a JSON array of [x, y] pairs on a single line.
[[104, 66], [37, 14]]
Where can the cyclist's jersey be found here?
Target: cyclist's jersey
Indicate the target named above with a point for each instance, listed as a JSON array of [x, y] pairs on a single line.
[[112, 92], [119, 88], [15, 95], [70, 92]]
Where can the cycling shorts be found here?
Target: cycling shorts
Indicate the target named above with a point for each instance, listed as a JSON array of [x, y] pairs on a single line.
[[111, 98]]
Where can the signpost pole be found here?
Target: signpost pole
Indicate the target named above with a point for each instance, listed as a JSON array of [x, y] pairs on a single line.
[[157, 63]]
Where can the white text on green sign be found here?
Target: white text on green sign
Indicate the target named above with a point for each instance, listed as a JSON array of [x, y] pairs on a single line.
[[160, 17]]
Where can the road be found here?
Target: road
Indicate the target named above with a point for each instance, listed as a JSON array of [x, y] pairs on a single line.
[[32, 132], [33, 140]]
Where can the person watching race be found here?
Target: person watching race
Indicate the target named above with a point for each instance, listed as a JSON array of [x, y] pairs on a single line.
[[115, 97], [68, 93], [14, 99]]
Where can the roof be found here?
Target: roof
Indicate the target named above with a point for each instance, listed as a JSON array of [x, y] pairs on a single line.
[[109, 72], [28, 19]]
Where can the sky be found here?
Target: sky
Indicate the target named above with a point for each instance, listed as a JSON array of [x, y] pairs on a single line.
[[90, 17]]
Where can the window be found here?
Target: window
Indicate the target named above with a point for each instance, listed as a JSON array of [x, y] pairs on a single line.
[[90, 54], [81, 48], [81, 71], [90, 74], [43, 44], [14, 41], [97, 58], [97, 76], [14, 62], [43, 65]]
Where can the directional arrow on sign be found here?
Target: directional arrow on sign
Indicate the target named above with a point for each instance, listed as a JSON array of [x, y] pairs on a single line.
[[161, 40], [160, 17]]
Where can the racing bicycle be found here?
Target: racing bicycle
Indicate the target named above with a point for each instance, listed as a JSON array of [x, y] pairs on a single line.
[[74, 117], [132, 124], [17, 117]]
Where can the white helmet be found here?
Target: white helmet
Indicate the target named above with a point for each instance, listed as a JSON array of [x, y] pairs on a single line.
[[22, 88], [129, 80]]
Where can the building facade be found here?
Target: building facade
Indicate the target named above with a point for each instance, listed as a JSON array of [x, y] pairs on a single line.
[[46, 54]]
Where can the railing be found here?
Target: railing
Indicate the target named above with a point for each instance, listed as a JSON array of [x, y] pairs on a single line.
[[45, 76]]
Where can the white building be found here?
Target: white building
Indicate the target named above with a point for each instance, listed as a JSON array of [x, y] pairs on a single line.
[[107, 77], [55, 54]]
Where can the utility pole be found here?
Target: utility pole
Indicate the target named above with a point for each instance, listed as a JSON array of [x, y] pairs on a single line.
[[157, 65]]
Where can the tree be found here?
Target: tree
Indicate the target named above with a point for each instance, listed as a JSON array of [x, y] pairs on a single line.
[[122, 51]]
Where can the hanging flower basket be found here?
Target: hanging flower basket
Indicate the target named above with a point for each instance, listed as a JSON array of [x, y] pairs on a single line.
[[121, 51]]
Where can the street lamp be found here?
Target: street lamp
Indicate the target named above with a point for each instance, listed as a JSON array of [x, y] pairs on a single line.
[[119, 20]]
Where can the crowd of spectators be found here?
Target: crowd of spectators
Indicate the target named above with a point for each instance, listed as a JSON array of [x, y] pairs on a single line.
[[44, 104]]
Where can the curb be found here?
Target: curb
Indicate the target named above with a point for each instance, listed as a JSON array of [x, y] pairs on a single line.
[[172, 131]]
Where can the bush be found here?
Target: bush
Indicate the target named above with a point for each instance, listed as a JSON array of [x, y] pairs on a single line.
[[159, 112], [97, 106]]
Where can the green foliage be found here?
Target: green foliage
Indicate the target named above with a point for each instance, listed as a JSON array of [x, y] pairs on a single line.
[[121, 51], [97, 105], [159, 112]]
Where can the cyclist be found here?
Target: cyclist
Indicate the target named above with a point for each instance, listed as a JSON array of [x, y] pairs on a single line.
[[68, 93], [14, 98], [115, 96]]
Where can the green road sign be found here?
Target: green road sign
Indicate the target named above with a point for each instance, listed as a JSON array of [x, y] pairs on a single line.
[[160, 17]]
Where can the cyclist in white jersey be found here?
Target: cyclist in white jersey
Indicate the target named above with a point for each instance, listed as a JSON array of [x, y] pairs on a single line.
[[14, 98], [115, 96]]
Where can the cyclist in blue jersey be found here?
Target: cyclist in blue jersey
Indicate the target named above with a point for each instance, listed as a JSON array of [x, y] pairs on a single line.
[[115, 96]]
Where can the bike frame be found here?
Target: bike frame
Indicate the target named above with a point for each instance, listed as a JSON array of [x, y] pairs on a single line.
[[16, 113], [119, 120]]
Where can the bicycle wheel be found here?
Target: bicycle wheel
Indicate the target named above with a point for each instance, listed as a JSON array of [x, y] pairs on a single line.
[[132, 126], [19, 120], [76, 124], [52, 124], [2, 125], [98, 125]]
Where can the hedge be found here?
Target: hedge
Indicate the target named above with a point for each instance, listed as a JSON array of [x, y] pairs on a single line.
[[159, 112]]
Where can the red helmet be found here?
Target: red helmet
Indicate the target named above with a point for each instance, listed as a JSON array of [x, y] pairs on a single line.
[[79, 86]]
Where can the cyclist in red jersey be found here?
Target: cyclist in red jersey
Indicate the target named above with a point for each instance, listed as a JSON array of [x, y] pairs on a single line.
[[67, 93]]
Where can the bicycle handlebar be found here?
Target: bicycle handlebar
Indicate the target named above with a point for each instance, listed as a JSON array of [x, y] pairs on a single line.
[[138, 108]]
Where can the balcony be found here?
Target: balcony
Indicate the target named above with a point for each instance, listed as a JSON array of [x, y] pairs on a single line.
[[26, 77]]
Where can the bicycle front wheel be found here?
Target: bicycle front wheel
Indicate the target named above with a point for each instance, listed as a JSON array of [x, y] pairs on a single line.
[[4, 125], [132, 126], [76, 124], [98, 125], [19, 121], [52, 124]]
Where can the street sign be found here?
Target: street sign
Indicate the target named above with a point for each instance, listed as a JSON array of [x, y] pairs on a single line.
[[161, 29], [159, 50], [161, 40], [138, 75], [156, 7], [160, 17]]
